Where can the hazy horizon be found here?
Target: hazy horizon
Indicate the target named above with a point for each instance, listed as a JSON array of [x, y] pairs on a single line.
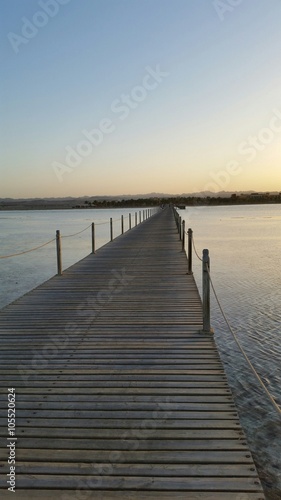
[[136, 96], [146, 195]]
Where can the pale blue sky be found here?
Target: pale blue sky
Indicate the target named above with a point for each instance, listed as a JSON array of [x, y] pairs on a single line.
[[66, 62]]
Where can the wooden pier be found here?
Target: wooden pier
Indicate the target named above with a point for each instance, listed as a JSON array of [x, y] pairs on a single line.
[[118, 394]]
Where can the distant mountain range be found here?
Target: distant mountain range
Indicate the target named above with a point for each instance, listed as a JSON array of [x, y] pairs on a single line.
[[201, 194]]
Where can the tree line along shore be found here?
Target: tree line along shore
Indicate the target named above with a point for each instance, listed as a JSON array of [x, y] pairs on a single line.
[[82, 203]]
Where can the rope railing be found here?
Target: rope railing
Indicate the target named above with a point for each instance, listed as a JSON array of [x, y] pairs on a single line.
[[106, 222], [76, 234], [146, 214], [90, 225], [207, 280], [241, 348], [47, 243], [27, 251], [206, 269], [101, 223], [195, 251]]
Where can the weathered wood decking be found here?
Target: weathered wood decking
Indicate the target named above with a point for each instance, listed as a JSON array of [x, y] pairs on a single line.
[[118, 395]]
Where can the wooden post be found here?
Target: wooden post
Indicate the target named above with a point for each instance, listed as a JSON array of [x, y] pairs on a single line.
[[130, 221], [206, 292], [180, 228], [177, 219], [143, 215], [140, 216], [93, 238], [111, 229], [136, 219], [59, 261], [190, 236], [122, 224], [183, 235]]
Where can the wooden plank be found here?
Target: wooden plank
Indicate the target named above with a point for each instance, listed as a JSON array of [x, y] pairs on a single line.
[[108, 433], [125, 371], [90, 388], [129, 441], [144, 457], [129, 414], [107, 387], [125, 423], [146, 483], [84, 490], [90, 399], [155, 470]]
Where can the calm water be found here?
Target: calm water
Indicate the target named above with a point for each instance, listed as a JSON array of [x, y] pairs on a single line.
[[244, 244]]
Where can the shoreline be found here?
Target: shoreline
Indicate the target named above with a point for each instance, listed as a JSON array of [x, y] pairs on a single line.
[[140, 203]]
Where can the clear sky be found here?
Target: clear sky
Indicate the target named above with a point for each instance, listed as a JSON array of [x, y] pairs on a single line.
[[138, 96]]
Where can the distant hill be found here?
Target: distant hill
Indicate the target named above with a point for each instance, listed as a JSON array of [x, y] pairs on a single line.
[[128, 200], [201, 194]]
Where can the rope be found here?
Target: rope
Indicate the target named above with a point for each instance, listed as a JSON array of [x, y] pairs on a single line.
[[96, 224], [101, 223], [27, 251], [75, 234], [241, 348], [196, 253], [106, 222], [48, 242]]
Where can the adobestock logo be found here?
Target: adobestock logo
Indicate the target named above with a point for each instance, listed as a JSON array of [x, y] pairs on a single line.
[[223, 7], [121, 107], [30, 28], [253, 145], [259, 142]]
